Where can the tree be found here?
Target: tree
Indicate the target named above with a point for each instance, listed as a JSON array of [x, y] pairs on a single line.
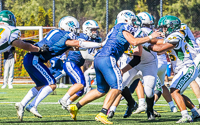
[[41, 17]]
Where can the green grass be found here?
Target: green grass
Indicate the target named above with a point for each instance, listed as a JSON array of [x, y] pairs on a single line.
[[53, 114]]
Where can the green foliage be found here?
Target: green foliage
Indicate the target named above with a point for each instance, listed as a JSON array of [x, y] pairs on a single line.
[[188, 11]]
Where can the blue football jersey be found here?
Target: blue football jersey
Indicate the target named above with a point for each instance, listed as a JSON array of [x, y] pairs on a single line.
[[55, 40], [56, 63], [75, 56], [116, 43]]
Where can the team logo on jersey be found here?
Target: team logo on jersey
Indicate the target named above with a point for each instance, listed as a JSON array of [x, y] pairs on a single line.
[[172, 57], [185, 78], [186, 49]]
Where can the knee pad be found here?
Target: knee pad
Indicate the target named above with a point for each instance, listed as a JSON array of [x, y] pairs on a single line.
[[149, 91]]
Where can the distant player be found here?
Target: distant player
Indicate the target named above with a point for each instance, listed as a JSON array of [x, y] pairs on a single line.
[[57, 41]]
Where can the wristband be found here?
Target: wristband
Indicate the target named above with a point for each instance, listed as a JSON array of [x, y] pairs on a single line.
[[150, 37]]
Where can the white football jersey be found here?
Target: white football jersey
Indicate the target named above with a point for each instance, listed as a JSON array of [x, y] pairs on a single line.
[[147, 55], [198, 41], [162, 59], [7, 35], [180, 55], [190, 39]]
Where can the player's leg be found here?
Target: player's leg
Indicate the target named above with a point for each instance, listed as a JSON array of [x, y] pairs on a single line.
[[42, 77], [141, 98], [179, 83], [127, 80], [6, 69], [149, 72], [112, 75], [193, 108], [165, 91], [11, 73], [92, 95], [87, 73], [114, 106], [77, 78]]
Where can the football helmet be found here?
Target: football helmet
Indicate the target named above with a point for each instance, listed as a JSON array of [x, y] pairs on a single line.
[[126, 16], [138, 22], [69, 23], [146, 18], [172, 23], [88, 26], [7, 17]]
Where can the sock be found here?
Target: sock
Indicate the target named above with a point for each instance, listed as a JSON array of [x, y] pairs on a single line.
[[141, 101], [133, 85], [154, 103], [199, 100], [44, 91], [29, 96], [104, 111], [78, 105], [150, 102], [127, 95], [113, 108], [171, 104], [184, 112], [66, 97], [194, 110], [69, 102]]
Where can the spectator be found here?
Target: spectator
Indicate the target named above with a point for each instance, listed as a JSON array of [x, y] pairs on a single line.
[[9, 61]]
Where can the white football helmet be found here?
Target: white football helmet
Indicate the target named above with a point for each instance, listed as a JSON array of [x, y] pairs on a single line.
[[88, 26], [69, 23], [146, 18], [126, 16]]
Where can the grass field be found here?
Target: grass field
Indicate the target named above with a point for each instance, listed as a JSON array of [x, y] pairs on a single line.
[[53, 113]]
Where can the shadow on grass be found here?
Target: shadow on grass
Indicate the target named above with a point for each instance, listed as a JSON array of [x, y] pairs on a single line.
[[49, 121]]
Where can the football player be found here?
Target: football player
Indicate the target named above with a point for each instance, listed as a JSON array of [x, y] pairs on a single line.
[[183, 66], [57, 41]]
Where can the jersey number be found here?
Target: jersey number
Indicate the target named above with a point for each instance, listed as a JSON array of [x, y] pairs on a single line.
[[1, 31]]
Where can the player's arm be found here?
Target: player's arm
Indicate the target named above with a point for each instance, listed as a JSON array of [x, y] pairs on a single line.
[[26, 46], [138, 41], [82, 43], [136, 59], [161, 47]]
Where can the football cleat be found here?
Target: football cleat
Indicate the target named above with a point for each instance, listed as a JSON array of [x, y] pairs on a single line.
[[111, 114], [20, 111], [33, 110], [196, 115], [185, 119], [130, 109], [150, 116], [73, 111], [173, 109], [140, 109], [63, 103], [102, 118], [156, 114]]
